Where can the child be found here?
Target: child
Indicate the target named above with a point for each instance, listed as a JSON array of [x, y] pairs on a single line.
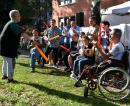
[[79, 51], [87, 57]]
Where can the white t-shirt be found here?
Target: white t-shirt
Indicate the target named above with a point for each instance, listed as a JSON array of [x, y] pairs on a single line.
[[117, 51]]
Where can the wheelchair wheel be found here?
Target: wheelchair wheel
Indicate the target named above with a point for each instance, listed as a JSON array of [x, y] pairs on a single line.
[[86, 90], [92, 85], [113, 83]]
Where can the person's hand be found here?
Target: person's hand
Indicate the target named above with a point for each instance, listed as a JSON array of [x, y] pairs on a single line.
[[24, 28], [45, 38], [95, 43], [35, 43], [83, 52]]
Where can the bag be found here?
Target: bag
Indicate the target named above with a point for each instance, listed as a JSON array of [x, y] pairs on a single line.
[[125, 59]]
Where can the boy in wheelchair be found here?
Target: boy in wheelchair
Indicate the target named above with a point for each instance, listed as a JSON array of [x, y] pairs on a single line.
[[112, 59]]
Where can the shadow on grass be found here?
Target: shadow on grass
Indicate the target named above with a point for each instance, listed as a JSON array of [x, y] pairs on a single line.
[[50, 70], [93, 100], [23, 64], [54, 72], [37, 66]]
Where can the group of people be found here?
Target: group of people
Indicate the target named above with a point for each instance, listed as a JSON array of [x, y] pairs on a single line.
[[81, 49]]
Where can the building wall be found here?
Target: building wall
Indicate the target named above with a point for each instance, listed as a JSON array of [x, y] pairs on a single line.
[[79, 6], [108, 3], [71, 10]]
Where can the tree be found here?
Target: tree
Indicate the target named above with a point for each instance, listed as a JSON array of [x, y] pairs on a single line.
[[33, 10], [96, 10]]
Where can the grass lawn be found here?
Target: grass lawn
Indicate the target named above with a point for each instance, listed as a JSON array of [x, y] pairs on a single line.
[[46, 87]]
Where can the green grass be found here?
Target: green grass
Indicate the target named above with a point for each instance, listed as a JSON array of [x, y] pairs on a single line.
[[46, 87]]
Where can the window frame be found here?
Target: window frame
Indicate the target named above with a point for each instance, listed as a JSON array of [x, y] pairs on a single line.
[[66, 2]]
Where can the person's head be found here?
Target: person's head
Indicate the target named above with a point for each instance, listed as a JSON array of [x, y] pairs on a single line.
[[116, 35], [73, 23], [82, 34], [53, 22], [15, 15], [105, 25], [85, 40], [92, 21]]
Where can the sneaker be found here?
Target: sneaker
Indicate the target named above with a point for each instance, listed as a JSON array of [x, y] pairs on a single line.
[[55, 66], [11, 81], [60, 63], [78, 84], [73, 75], [38, 62], [33, 69], [4, 77]]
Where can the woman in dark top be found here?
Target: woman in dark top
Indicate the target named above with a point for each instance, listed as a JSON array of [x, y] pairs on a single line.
[[9, 43]]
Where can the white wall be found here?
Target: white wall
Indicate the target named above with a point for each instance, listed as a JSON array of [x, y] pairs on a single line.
[[84, 29], [116, 19]]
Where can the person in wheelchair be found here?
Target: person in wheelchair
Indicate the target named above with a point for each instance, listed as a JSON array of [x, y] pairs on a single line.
[[111, 59], [114, 56], [87, 57], [74, 54], [34, 54]]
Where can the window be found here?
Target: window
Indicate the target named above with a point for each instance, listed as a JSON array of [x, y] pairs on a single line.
[[66, 2]]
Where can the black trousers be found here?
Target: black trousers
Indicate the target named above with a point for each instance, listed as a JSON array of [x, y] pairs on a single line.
[[55, 51]]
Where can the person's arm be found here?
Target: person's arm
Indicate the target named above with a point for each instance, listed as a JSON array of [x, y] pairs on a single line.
[[78, 46], [26, 36], [30, 45], [104, 55], [101, 50], [77, 30]]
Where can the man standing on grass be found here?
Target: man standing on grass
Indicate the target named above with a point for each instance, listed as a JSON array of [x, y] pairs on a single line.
[[9, 43]]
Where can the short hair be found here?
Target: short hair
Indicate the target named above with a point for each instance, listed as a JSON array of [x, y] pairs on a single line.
[[106, 23], [13, 13], [82, 33], [117, 33], [93, 18]]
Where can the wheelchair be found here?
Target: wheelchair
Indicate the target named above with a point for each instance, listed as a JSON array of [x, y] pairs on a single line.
[[110, 77]]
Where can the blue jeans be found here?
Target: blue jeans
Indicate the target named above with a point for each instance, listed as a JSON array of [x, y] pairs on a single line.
[[76, 64], [34, 55], [80, 63]]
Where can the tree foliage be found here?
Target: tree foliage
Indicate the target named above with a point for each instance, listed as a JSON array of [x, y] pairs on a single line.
[[30, 9]]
